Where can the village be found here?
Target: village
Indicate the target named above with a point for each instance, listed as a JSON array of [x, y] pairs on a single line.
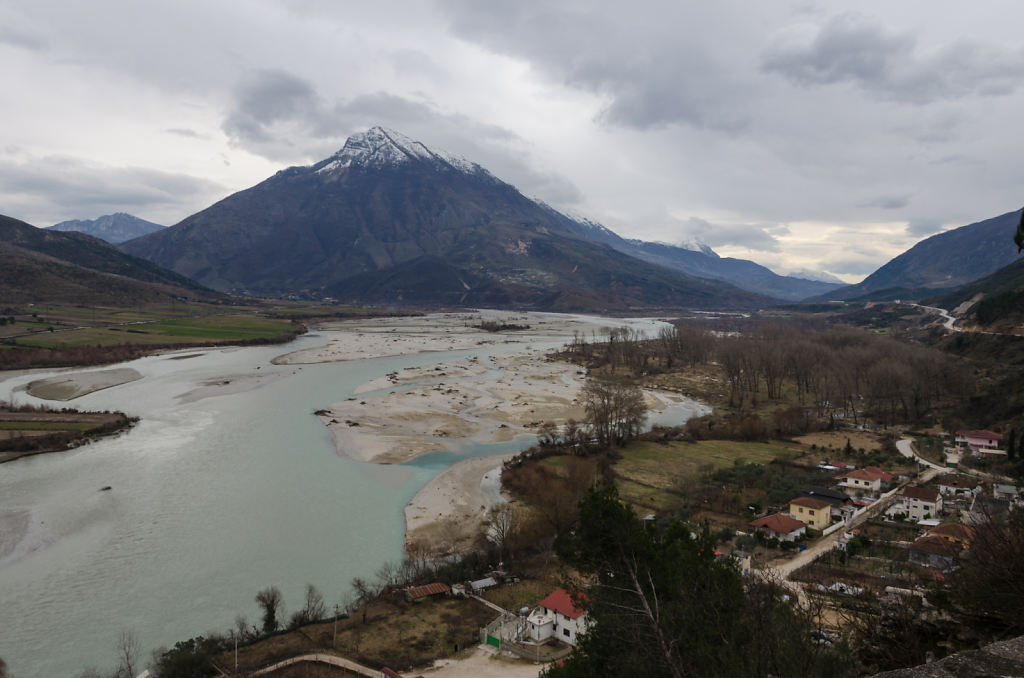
[[839, 547]]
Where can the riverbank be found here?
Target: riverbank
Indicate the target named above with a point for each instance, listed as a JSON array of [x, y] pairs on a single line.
[[397, 417], [74, 385], [451, 511], [405, 414]]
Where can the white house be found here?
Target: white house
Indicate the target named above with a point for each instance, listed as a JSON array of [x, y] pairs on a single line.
[[862, 480], [557, 617], [978, 441], [917, 503]]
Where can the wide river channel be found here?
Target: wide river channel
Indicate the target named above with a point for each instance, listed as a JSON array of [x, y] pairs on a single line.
[[211, 500]]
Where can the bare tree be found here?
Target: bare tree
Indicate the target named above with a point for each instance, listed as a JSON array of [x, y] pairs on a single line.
[[503, 523], [127, 654], [270, 600], [616, 411]]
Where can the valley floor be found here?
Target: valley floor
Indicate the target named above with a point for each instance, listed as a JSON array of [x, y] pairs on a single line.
[[405, 414]]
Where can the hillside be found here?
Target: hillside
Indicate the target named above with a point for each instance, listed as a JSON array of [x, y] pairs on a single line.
[[388, 221], [942, 262], [38, 265], [995, 300]]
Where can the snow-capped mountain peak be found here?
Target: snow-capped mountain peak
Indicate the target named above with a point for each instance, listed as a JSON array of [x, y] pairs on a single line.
[[381, 147], [695, 245], [817, 276]]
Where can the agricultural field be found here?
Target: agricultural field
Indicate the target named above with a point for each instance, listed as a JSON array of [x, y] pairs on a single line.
[[30, 432], [650, 475]]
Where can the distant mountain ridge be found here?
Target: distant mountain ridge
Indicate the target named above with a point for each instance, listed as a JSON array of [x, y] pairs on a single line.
[[388, 220], [114, 228], [942, 262], [41, 265], [696, 258]]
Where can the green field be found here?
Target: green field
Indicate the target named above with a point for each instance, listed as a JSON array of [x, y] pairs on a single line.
[[198, 330], [649, 471]]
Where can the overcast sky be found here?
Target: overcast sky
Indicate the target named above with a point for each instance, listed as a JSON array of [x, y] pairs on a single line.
[[796, 134]]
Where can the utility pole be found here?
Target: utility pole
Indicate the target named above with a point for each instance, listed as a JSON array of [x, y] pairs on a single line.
[[334, 641]]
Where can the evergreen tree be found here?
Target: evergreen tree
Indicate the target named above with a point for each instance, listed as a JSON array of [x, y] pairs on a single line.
[[660, 603]]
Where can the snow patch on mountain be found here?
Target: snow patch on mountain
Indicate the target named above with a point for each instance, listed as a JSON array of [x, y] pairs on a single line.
[[816, 276], [381, 147]]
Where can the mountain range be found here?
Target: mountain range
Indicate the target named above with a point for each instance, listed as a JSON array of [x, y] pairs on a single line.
[[941, 263], [114, 228], [40, 265], [696, 258], [388, 220]]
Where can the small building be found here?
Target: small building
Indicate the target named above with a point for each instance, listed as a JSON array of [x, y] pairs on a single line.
[[780, 526], [917, 504], [976, 441], [843, 507], [861, 480], [935, 551], [956, 533], [959, 486], [481, 584], [1005, 491], [815, 513], [557, 617], [987, 509], [435, 590]]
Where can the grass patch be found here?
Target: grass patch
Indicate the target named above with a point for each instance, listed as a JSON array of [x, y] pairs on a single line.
[[649, 473], [522, 594], [396, 634], [203, 330]]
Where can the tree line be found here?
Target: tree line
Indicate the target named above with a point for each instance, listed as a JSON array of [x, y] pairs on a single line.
[[838, 372]]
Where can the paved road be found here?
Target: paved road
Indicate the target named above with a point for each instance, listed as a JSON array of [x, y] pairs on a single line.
[[823, 545], [906, 448], [948, 321]]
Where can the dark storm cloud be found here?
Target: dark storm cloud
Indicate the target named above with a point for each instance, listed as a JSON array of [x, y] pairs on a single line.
[[267, 97], [68, 188], [635, 59], [750, 236], [887, 202], [851, 48], [18, 38]]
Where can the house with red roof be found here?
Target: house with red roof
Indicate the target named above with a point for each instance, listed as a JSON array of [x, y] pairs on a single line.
[[780, 526], [557, 617]]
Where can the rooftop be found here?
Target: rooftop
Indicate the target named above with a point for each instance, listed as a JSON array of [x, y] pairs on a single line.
[[778, 522], [560, 601], [920, 493], [811, 502], [988, 435]]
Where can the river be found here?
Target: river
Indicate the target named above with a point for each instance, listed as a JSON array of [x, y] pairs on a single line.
[[211, 500]]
